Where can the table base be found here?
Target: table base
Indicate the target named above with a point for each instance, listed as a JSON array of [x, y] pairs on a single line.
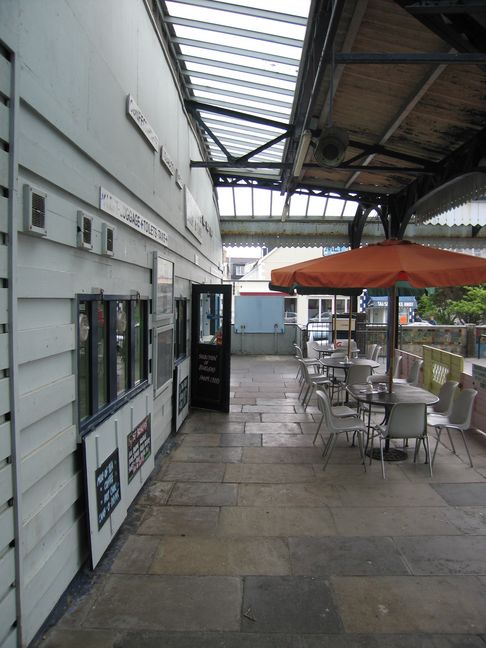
[[392, 454]]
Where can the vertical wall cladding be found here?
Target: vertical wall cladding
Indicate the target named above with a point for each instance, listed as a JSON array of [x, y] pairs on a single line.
[[8, 606], [80, 65]]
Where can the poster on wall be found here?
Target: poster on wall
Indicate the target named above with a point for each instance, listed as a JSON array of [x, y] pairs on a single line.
[[139, 447], [163, 287], [182, 394], [108, 488]]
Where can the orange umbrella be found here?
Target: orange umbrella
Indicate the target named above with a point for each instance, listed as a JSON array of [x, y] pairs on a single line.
[[382, 265]]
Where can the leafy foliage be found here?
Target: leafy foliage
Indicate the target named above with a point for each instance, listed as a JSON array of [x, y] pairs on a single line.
[[454, 305]]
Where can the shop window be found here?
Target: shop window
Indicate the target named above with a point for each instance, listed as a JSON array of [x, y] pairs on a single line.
[[112, 354], [180, 329]]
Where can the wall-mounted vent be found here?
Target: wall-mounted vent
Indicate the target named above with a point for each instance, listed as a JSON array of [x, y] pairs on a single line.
[[35, 211], [108, 240], [85, 231]]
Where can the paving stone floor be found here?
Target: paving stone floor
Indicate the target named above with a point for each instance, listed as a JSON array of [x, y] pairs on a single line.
[[241, 540]]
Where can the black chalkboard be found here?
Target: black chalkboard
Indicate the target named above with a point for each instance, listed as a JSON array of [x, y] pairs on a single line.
[[139, 447], [208, 373], [108, 490]]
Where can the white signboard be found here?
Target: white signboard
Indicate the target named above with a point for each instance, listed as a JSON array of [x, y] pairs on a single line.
[[138, 117], [193, 215], [167, 161], [117, 208]]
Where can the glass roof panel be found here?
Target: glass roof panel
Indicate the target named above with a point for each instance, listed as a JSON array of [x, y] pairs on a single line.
[[237, 59], [242, 56]]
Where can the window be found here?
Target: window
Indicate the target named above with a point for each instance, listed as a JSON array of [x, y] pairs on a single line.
[[112, 354], [180, 329]]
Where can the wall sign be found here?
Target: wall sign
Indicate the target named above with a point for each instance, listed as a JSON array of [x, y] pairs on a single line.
[[117, 208], [141, 121], [139, 447], [167, 161], [179, 181], [108, 490]]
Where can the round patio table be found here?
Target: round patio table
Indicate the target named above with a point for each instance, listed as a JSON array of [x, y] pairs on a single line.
[[402, 393]]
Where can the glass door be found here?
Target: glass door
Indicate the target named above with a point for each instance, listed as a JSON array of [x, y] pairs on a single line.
[[211, 346]]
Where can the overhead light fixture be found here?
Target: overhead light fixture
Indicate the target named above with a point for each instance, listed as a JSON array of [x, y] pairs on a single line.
[[331, 147], [302, 149]]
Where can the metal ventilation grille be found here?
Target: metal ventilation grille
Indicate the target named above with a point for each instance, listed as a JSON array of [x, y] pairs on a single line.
[[87, 230], [38, 216], [109, 239]]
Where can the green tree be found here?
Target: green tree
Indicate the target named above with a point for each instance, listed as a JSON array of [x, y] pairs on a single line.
[[447, 305]]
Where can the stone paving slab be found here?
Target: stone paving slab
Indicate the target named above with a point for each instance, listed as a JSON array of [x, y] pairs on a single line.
[[161, 639], [173, 520], [346, 557], [444, 554], [269, 409], [393, 494], [281, 455], [157, 492], [267, 521], [203, 494], [394, 521], [272, 428], [216, 455], [226, 556], [278, 417], [241, 440], [202, 440], [351, 472], [286, 495], [288, 604], [411, 604], [81, 638], [168, 603], [447, 473], [193, 471], [468, 519], [272, 440], [462, 494], [268, 473], [136, 555]]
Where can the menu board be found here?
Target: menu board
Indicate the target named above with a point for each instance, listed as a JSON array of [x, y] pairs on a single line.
[[108, 491], [139, 447], [208, 374]]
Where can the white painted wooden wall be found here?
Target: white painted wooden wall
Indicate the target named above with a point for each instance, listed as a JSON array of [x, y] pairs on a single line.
[[77, 61], [8, 540]]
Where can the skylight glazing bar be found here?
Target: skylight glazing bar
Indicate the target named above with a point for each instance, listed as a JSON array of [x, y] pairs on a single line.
[[200, 60], [234, 31], [241, 95], [247, 11], [239, 51], [245, 84], [251, 110]]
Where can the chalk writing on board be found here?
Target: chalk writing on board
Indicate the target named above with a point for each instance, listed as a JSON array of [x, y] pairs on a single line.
[[108, 491], [139, 447]]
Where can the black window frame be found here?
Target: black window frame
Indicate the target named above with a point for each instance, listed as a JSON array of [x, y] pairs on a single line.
[[97, 414], [180, 329]]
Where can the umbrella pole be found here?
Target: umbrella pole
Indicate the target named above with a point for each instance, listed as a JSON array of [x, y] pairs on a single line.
[[334, 324], [350, 321], [392, 337]]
